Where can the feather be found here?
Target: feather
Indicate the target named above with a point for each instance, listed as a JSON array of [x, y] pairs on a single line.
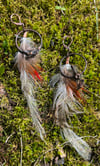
[[54, 80], [78, 143], [29, 75], [68, 101]]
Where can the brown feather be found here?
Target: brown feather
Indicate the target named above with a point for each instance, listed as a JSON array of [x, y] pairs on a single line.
[[78, 93]]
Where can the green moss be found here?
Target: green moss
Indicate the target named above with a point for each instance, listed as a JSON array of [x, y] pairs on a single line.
[[79, 21]]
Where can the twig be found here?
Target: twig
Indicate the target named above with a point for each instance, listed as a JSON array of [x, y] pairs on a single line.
[[61, 9], [21, 142], [97, 24], [9, 137], [89, 136], [2, 164], [63, 144]]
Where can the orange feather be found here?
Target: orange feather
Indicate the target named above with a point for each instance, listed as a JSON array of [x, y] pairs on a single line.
[[78, 93]]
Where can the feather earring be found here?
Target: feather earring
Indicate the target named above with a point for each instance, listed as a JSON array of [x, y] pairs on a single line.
[[68, 100], [28, 62]]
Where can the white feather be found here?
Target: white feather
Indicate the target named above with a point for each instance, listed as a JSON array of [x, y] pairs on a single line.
[[29, 93], [27, 83], [54, 80], [65, 105], [78, 143]]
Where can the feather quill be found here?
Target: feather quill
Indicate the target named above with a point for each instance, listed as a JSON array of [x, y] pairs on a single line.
[[29, 75], [68, 101]]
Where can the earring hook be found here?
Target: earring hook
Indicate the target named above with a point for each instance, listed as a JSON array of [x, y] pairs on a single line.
[[67, 46], [36, 50], [16, 23]]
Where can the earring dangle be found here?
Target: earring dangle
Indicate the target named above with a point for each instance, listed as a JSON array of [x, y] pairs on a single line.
[[68, 100], [28, 62]]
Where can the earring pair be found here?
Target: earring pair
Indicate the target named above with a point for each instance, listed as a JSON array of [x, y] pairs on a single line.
[[69, 93]]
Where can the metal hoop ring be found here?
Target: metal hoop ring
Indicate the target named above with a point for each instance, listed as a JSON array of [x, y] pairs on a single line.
[[25, 52], [77, 75]]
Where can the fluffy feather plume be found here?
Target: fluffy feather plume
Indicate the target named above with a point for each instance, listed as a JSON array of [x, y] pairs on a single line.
[[68, 101], [29, 76]]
